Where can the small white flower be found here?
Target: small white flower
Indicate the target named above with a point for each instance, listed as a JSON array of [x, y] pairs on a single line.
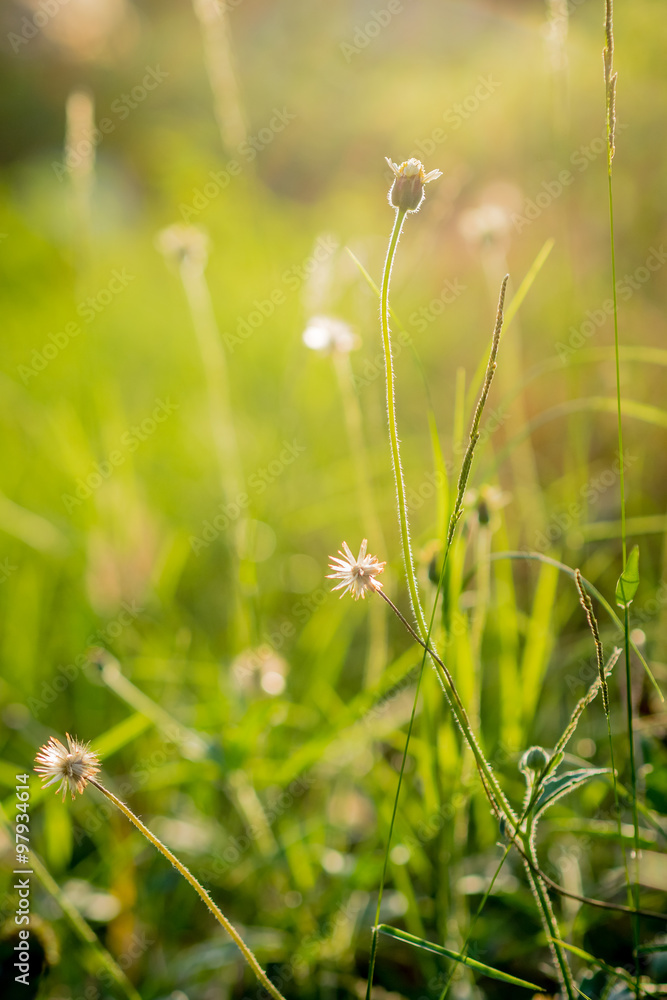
[[489, 223], [413, 168], [356, 575], [331, 335], [407, 191], [73, 765], [487, 501], [182, 244]]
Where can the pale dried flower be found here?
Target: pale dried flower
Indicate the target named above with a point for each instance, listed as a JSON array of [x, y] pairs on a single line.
[[263, 667], [489, 223], [356, 575], [184, 245], [329, 335], [407, 191], [73, 765], [487, 501]]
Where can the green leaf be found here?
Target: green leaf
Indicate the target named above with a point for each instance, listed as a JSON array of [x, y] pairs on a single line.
[[628, 581], [438, 949], [560, 784], [587, 957], [121, 734], [602, 830]]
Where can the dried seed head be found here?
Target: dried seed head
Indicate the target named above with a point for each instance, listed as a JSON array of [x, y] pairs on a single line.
[[356, 575], [183, 245], [486, 225], [407, 191], [73, 765]]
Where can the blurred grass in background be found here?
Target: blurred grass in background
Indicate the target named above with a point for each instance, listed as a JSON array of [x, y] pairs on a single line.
[[268, 754]]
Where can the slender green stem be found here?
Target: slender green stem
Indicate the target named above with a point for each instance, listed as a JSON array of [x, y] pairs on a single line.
[[217, 379], [610, 105], [514, 839], [587, 605], [199, 889], [477, 418], [548, 917], [422, 626], [374, 941], [617, 362], [393, 432], [83, 929], [377, 645], [230, 471], [633, 792]]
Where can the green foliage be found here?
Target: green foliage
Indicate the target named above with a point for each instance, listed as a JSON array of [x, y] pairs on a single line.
[[628, 581], [558, 785], [250, 718]]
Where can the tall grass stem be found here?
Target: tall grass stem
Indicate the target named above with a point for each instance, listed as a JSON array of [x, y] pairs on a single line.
[[199, 889], [377, 646], [610, 105]]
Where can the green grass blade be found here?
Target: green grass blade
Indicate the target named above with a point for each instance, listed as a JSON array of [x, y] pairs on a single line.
[[587, 957], [540, 557], [628, 581], [438, 949], [121, 734], [539, 642], [510, 313]]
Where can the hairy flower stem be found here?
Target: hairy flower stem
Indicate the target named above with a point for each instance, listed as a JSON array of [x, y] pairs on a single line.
[[610, 78], [374, 940], [523, 845], [548, 917], [444, 672], [199, 889], [377, 645], [423, 630], [422, 626]]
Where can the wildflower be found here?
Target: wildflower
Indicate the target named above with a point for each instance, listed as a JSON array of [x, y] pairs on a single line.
[[262, 666], [330, 335], [73, 765], [487, 224], [487, 501], [407, 191], [184, 245], [356, 575]]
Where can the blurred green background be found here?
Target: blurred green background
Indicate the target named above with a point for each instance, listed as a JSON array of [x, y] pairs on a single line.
[[251, 718]]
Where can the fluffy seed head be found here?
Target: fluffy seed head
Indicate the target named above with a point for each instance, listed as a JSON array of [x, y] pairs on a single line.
[[184, 245], [72, 766], [356, 575]]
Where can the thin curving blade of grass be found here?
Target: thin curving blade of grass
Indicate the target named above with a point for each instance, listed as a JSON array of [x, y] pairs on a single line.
[[438, 949]]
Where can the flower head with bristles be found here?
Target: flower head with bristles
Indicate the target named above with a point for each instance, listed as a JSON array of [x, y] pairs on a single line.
[[181, 244], [73, 765], [407, 191], [356, 575]]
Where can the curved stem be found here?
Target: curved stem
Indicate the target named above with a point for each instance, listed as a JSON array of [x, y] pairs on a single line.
[[376, 657], [422, 632], [610, 106], [548, 916], [422, 628], [393, 431], [199, 889], [374, 941]]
